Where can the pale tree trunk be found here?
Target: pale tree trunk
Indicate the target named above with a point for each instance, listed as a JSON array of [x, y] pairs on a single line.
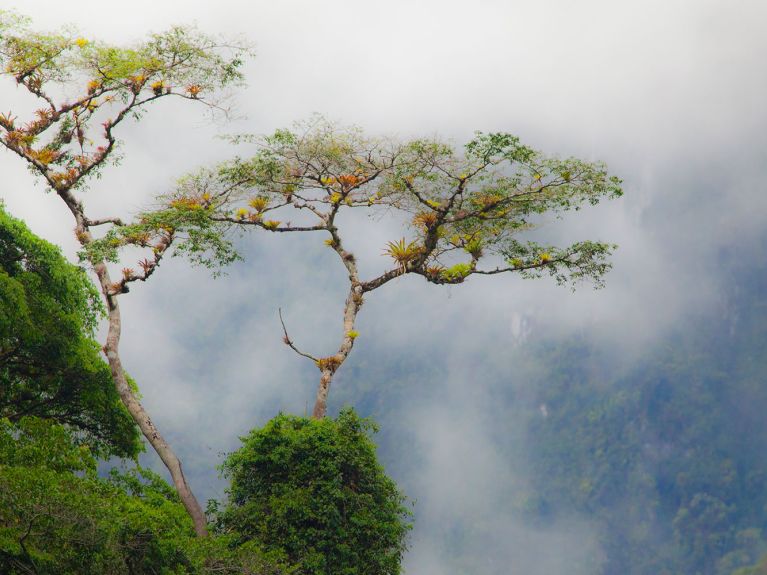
[[321, 403], [131, 402], [329, 365], [141, 417]]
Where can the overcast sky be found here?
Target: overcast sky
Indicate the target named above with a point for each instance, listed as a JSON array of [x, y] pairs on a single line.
[[670, 93]]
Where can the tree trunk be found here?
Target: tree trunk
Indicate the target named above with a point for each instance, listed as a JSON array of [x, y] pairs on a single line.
[[321, 403], [132, 404], [139, 414], [330, 365]]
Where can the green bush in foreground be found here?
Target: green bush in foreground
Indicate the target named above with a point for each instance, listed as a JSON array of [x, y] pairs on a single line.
[[312, 492], [58, 517]]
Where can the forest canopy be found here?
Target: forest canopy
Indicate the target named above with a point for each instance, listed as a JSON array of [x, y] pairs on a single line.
[[50, 364]]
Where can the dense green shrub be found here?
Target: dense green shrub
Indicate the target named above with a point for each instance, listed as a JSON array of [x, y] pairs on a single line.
[[58, 517], [50, 365], [312, 491]]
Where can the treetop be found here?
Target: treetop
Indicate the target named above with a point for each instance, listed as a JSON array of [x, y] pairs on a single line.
[[85, 87], [461, 207]]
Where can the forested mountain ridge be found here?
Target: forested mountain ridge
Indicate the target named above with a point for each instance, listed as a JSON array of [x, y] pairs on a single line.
[[669, 454]]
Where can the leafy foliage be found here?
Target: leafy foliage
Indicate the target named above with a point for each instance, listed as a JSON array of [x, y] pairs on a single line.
[[474, 202], [61, 142], [185, 224], [49, 363], [312, 491], [113, 83], [58, 517]]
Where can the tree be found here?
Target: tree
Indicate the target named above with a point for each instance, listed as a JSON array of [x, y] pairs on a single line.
[[49, 363], [465, 210], [71, 139], [58, 517], [312, 491]]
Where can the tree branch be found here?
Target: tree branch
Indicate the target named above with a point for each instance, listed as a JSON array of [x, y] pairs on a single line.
[[102, 221], [287, 341]]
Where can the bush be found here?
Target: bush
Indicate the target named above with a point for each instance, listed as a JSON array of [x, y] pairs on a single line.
[[312, 492], [58, 517], [50, 365]]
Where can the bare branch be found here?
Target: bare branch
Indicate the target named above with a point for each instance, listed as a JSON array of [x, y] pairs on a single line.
[[265, 225], [102, 221], [289, 342]]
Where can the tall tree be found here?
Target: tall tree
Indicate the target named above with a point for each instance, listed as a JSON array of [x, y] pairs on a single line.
[[466, 210], [69, 139]]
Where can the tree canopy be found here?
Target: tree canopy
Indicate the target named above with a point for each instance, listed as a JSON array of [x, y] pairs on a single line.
[[71, 138], [50, 365], [312, 491], [466, 211], [59, 517]]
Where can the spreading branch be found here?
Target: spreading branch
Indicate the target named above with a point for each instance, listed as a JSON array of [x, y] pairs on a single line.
[[464, 210]]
